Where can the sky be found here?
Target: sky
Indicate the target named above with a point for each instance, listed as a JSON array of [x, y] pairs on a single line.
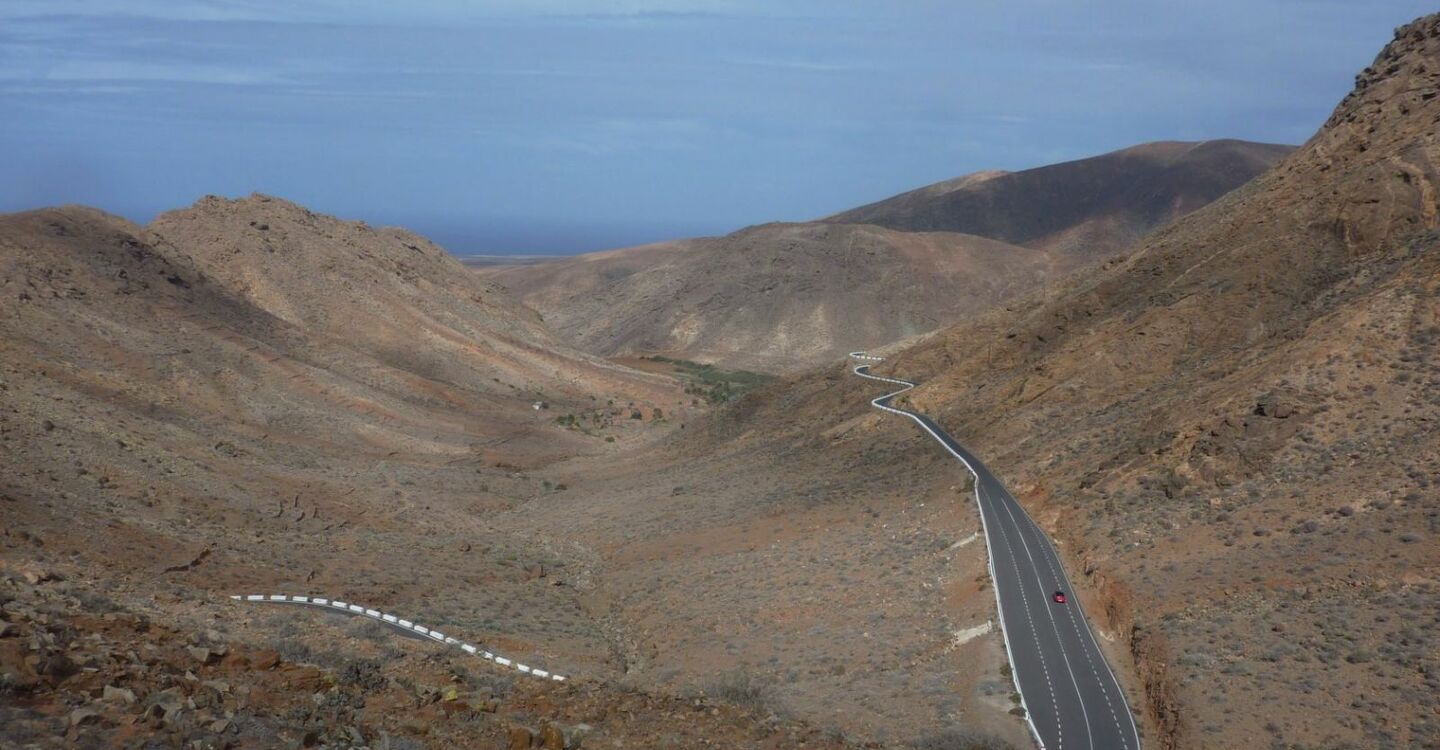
[[560, 126]]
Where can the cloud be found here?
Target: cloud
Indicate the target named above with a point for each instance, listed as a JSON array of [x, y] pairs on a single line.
[[618, 135], [811, 66], [173, 10], [416, 12], [660, 107], [43, 90], [126, 70]]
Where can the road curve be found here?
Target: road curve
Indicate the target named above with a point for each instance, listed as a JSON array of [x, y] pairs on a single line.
[[1070, 695], [335, 605]]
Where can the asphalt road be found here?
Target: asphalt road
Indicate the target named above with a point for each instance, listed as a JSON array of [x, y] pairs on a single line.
[[1070, 695]]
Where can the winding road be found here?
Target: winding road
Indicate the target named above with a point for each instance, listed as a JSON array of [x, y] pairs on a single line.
[[1070, 695]]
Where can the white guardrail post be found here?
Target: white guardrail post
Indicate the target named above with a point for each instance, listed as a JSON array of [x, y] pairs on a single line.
[[335, 605]]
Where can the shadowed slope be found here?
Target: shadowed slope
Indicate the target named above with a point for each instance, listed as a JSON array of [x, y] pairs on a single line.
[[1093, 207]]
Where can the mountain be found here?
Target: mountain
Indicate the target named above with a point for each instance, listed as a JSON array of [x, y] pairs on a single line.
[[784, 297], [1094, 207], [1231, 431], [247, 397], [392, 294], [773, 297]]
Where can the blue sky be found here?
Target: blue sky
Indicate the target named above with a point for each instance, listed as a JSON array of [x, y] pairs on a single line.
[[568, 125]]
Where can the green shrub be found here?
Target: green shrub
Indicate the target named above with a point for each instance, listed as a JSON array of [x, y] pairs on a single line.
[[740, 689]]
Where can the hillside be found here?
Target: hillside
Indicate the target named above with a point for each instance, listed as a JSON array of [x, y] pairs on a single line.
[[784, 297], [1091, 207], [1230, 432], [247, 397], [772, 297], [392, 294], [1229, 429]]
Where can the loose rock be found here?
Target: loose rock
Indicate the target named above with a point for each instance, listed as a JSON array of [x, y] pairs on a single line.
[[114, 694]]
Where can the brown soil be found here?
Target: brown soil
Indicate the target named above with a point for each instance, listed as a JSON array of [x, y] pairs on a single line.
[[828, 572], [773, 298], [81, 670], [784, 297], [1231, 431], [249, 398]]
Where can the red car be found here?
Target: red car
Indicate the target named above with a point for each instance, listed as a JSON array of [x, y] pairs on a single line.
[[1059, 597]]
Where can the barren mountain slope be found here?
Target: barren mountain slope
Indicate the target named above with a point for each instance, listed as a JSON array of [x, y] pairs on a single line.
[[1230, 433], [1091, 207], [775, 297], [799, 548], [393, 294], [783, 297], [1233, 431], [166, 440]]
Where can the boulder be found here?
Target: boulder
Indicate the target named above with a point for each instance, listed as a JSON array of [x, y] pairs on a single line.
[[521, 738], [552, 737], [266, 659], [1270, 405]]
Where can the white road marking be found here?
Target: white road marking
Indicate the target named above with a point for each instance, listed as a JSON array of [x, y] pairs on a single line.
[[405, 624], [1035, 636], [1104, 687], [1055, 628]]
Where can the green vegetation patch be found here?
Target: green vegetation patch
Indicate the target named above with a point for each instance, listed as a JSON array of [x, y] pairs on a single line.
[[715, 385]]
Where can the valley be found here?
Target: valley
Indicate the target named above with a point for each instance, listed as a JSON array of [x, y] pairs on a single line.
[[271, 478], [785, 297]]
